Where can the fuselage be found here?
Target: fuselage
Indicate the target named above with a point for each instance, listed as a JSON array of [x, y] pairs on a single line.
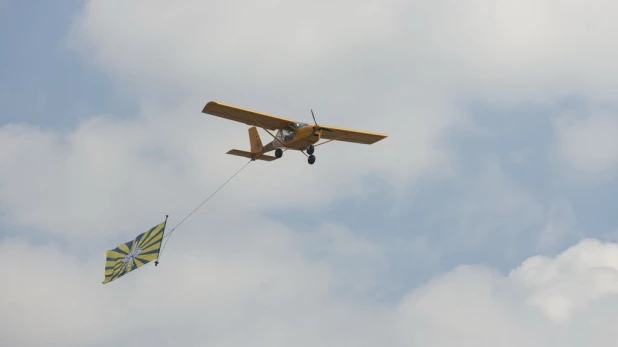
[[297, 136]]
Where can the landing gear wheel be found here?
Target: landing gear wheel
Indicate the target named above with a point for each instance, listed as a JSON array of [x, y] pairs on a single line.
[[311, 159], [310, 149], [278, 153]]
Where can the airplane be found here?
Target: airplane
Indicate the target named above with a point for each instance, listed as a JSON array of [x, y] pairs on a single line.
[[290, 134]]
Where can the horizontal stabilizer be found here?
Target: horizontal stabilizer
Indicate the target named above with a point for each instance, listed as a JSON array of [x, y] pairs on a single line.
[[255, 156]]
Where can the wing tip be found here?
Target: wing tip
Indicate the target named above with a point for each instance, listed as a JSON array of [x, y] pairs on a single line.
[[209, 105]]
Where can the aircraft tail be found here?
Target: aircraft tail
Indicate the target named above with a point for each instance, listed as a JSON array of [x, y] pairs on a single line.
[[254, 156], [255, 140], [256, 148]]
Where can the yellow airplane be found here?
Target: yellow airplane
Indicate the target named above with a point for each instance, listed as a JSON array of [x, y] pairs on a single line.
[[290, 134]]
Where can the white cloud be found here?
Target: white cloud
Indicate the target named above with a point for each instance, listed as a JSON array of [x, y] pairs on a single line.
[[112, 174], [505, 50], [264, 43], [230, 275], [272, 294], [571, 283], [544, 302], [403, 68], [79, 183]]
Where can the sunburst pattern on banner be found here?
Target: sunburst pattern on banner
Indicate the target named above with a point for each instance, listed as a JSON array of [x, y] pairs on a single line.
[[133, 254]]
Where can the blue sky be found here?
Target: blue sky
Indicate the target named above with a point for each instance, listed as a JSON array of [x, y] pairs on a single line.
[[44, 83], [500, 150]]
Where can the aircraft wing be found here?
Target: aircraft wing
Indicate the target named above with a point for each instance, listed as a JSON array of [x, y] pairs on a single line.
[[349, 135], [246, 116]]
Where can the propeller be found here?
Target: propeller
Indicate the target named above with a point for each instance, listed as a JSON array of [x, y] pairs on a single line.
[[317, 127]]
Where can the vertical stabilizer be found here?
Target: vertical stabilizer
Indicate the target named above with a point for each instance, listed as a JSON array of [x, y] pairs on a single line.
[[254, 139]]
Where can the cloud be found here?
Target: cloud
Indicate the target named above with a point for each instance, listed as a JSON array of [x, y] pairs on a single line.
[[408, 69], [110, 175], [75, 184], [231, 274], [502, 50], [545, 301], [273, 294], [295, 38], [571, 283]]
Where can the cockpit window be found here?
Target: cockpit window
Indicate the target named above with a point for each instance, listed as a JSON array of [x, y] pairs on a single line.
[[288, 133]]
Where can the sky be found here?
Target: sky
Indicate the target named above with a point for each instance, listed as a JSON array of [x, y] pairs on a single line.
[[486, 218]]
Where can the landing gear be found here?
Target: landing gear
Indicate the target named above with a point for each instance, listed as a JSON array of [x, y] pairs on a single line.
[[278, 153], [310, 150]]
